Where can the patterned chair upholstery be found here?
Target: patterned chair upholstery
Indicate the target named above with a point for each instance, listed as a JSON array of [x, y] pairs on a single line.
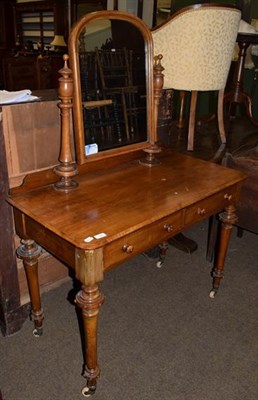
[[197, 45]]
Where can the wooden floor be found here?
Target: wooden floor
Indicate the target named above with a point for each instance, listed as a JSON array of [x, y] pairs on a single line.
[[240, 132]]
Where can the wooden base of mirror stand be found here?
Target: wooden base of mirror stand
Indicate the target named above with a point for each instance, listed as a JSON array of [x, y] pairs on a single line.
[[150, 159], [66, 172]]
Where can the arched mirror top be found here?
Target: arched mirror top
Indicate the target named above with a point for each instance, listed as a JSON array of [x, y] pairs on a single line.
[[111, 117]]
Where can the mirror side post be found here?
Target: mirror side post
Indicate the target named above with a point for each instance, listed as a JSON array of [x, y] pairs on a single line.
[[67, 167], [158, 81]]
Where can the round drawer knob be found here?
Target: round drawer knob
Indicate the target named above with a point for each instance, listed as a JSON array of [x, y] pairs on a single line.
[[228, 197], [168, 227], [127, 248], [201, 211]]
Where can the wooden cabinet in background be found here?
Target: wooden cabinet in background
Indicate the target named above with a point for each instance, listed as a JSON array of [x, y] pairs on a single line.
[[39, 21], [6, 31], [24, 47], [29, 142], [31, 72]]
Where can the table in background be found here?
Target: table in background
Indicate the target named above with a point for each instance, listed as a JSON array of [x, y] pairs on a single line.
[[236, 94]]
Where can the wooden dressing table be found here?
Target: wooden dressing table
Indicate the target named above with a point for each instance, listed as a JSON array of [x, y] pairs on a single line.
[[115, 206]]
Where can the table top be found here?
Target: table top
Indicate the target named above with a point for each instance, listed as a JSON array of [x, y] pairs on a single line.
[[117, 201]]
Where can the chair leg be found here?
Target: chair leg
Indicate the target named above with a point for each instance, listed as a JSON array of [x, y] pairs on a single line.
[[221, 116], [181, 122], [190, 143], [125, 116], [240, 232]]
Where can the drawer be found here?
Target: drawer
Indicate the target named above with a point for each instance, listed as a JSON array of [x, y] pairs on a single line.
[[207, 207], [142, 240]]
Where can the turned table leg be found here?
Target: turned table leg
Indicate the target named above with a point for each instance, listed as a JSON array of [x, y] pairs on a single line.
[[227, 219], [89, 299], [29, 252]]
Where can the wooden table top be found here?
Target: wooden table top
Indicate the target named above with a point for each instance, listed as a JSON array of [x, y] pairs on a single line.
[[125, 198]]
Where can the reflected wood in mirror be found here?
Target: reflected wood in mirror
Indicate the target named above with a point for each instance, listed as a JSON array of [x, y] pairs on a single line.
[[111, 56], [82, 7]]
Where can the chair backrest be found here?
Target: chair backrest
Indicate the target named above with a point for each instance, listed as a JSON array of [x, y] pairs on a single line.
[[197, 45], [114, 67]]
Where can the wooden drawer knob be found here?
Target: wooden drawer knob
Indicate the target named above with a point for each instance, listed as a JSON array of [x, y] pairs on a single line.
[[127, 248], [168, 227], [228, 197], [201, 211]]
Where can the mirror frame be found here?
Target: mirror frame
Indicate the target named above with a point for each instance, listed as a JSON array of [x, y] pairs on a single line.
[[78, 125]]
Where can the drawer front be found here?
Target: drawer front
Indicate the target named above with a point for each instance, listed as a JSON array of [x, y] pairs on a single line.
[[141, 240], [207, 207]]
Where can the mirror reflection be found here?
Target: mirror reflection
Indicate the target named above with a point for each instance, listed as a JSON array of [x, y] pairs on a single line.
[[113, 84]]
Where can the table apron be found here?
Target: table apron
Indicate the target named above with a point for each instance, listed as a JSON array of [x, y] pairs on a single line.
[[130, 245]]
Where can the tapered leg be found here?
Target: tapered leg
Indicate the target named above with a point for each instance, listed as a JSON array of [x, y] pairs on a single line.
[[181, 122], [29, 252], [191, 127], [221, 116], [89, 299], [227, 218]]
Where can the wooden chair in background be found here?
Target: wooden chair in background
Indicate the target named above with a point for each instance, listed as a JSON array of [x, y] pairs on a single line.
[[197, 44]]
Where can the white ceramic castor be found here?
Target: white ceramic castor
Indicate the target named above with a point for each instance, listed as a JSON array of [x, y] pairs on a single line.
[[87, 392], [159, 264], [212, 293], [37, 332]]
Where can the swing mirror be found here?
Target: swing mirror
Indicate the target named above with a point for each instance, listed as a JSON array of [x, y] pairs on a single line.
[[111, 58]]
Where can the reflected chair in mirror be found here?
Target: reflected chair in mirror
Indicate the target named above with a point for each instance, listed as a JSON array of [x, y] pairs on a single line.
[[197, 45], [99, 114], [115, 67]]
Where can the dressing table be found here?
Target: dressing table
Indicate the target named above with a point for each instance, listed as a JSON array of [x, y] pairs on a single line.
[[108, 207]]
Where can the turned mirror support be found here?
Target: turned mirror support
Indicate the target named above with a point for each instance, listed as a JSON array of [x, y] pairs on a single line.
[[67, 167], [158, 81]]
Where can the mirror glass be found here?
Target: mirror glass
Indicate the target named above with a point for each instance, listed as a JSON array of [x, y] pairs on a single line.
[[110, 59]]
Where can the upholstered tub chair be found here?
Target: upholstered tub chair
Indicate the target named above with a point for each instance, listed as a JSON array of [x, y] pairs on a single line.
[[197, 45]]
